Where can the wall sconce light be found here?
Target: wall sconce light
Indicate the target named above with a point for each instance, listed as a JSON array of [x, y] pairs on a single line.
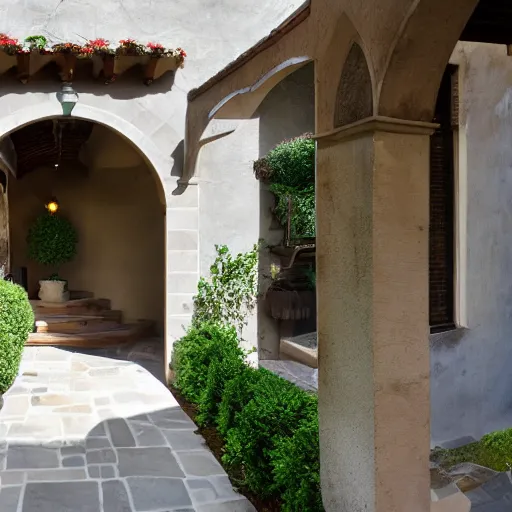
[[68, 98], [52, 206]]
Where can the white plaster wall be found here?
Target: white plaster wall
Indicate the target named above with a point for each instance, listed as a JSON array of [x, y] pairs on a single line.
[[234, 208], [212, 33], [471, 385]]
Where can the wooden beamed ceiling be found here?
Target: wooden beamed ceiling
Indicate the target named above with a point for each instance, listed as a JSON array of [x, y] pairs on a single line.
[[50, 142]]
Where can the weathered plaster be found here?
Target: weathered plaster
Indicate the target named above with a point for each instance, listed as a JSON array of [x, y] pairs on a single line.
[[372, 269], [235, 209], [471, 384]]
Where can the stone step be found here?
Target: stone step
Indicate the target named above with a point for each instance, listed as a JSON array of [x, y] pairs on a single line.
[[126, 333], [80, 294], [288, 350], [76, 323], [84, 306]]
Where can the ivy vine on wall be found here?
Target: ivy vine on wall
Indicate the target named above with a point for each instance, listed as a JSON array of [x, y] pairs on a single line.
[[229, 294]]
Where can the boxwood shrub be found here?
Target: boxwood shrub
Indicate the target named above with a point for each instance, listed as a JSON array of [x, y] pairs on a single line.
[[16, 323], [269, 425]]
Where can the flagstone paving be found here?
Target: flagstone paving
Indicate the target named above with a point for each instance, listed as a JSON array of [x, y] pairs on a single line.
[[100, 432]]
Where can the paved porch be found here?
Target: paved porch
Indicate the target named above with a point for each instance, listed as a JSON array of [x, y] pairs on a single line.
[[99, 432]]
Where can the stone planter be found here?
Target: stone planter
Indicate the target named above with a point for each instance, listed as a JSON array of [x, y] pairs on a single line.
[[290, 305], [53, 291], [157, 67]]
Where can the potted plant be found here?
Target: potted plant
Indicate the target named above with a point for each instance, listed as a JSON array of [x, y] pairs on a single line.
[[9, 48], [52, 241], [103, 56], [130, 53], [291, 295], [67, 54], [16, 323], [33, 56], [161, 60], [37, 43]]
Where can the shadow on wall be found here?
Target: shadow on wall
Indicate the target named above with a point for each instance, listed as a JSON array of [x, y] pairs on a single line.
[[287, 111], [128, 86]]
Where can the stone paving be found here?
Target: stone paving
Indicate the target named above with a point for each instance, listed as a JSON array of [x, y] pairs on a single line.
[[97, 432], [301, 375]]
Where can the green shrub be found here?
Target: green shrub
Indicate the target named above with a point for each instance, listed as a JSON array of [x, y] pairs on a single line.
[[296, 468], [51, 240], [270, 426], [292, 162], [16, 323], [275, 411], [496, 452], [237, 394], [205, 360], [493, 451]]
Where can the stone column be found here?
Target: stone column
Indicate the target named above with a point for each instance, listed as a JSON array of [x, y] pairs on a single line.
[[4, 224], [372, 269]]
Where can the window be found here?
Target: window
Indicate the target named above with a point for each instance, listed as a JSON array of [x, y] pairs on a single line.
[[442, 207]]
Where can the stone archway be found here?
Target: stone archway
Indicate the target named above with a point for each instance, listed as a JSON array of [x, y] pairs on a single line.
[[180, 246]]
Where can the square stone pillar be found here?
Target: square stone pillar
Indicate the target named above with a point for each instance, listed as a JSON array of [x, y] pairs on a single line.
[[372, 288]]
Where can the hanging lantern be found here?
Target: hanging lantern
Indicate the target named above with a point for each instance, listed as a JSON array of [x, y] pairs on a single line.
[[68, 98], [52, 206]]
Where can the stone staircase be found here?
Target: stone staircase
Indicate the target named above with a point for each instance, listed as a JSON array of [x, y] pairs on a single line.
[[84, 322]]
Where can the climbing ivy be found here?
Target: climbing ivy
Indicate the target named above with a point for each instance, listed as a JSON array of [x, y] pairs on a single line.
[[229, 294]]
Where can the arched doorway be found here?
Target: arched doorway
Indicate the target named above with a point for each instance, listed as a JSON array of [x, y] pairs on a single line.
[[113, 196]]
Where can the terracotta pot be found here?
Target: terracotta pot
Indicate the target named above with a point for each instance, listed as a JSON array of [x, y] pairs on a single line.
[[108, 68], [290, 305], [53, 291], [149, 70], [125, 62], [67, 63], [23, 67]]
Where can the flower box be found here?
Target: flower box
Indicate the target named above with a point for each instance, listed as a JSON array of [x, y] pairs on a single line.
[[107, 61]]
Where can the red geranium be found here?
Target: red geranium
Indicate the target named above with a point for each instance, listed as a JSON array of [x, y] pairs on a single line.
[[99, 46], [10, 45], [130, 47]]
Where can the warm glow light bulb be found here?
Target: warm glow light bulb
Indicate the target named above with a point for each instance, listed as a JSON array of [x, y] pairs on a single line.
[[52, 206]]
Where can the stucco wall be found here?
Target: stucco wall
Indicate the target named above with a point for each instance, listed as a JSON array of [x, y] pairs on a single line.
[[153, 118], [234, 209], [119, 220], [471, 382]]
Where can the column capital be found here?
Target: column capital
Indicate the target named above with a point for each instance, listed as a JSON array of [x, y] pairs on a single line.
[[377, 124]]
